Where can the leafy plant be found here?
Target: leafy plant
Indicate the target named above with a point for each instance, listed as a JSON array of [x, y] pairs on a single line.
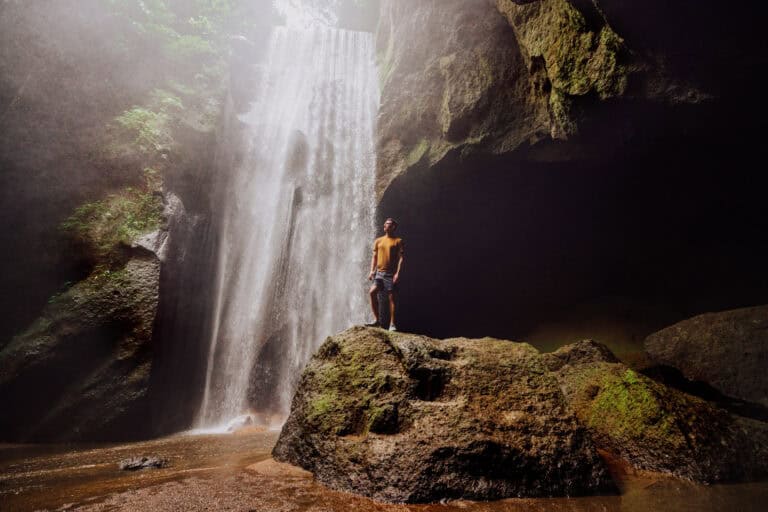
[[107, 225]]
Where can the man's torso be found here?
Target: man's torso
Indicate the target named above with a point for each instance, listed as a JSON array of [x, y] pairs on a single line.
[[388, 251]]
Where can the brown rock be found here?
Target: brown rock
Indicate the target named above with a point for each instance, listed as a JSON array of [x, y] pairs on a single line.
[[405, 418], [727, 350]]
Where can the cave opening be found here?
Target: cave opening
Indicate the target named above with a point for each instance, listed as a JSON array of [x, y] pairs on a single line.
[[613, 245]]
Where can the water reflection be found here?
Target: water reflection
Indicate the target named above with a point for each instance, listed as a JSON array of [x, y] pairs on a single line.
[[218, 472]]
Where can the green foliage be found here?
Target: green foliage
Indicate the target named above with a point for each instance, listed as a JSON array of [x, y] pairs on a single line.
[[189, 47], [148, 130], [186, 44], [105, 226]]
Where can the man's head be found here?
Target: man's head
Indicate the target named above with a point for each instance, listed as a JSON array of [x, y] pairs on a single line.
[[390, 226]]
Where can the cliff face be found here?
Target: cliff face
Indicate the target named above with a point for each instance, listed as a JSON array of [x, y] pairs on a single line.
[[484, 76], [453, 78], [108, 123], [82, 369], [560, 150]]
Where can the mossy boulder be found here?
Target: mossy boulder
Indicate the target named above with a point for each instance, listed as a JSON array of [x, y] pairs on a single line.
[[405, 418], [655, 427], [105, 229], [727, 350], [82, 369]]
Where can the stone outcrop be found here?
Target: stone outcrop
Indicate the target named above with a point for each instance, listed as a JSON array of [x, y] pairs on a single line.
[[493, 77], [406, 418], [727, 350], [453, 79], [655, 427], [82, 369]]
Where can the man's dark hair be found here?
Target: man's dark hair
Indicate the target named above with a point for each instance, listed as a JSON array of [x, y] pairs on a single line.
[[393, 221]]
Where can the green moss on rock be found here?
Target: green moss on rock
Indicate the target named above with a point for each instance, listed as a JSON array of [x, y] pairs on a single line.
[[417, 153], [401, 417], [578, 59], [655, 427], [630, 406], [105, 227]]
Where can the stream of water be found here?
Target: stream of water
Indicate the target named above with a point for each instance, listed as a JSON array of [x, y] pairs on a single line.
[[297, 223], [234, 472]]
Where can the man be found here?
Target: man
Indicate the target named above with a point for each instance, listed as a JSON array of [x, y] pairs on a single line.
[[386, 263]]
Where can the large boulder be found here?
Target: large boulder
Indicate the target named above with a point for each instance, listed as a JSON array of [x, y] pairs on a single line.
[[82, 369], [654, 427], [727, 350], [405, 418]]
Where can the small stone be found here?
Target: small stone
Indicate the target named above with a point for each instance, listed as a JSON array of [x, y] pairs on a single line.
[[137, 463]]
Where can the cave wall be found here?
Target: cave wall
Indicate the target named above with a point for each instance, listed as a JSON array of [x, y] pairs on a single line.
[[606, 164], [110, 117]]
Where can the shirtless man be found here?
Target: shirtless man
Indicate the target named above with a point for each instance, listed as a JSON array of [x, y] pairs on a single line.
[[386, 263]]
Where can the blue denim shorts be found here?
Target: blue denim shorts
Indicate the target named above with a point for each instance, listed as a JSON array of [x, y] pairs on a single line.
[[384, 282]]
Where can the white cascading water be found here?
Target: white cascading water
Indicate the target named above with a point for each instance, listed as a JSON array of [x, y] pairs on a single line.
[[296, 231]]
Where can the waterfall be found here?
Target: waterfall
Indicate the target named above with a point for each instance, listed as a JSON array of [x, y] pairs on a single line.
[[296, 228]]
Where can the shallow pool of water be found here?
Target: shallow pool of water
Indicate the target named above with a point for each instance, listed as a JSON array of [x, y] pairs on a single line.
[[233, 472]]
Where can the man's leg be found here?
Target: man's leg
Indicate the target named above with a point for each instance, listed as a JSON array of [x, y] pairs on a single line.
[[374, 293], [391, 309]]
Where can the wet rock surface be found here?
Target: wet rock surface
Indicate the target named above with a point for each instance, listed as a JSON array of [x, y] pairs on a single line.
[[655, 427], [405, 418], [727, 350], [495, 77], [137, 463], [82, 369]]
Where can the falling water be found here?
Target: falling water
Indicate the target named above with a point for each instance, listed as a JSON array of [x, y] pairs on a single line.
[[298, 221]]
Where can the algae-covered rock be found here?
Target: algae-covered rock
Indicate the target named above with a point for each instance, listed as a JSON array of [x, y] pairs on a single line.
[[728, 350], [654, 427], [82, 369], [453, 81], [579, 58], [405, 418], [494, 77]]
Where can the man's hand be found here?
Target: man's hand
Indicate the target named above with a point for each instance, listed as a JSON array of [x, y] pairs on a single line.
[[370, 276], [395, 278]]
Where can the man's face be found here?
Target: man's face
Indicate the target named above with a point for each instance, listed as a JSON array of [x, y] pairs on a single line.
[[389, 227]]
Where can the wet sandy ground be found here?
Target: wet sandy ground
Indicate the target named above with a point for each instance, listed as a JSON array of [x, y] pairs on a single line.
[[235, 473]]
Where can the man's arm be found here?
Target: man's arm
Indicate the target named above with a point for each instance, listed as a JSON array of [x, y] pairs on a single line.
[[374, 259], [399, 264]]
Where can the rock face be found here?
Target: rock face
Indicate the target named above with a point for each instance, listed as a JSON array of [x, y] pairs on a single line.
[[406, 418], [727, 350], [654, 427], [459, 82], [491, 77], [82, 369]]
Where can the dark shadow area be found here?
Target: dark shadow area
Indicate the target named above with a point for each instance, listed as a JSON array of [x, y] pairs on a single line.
[[665, 208], [674, 378]]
